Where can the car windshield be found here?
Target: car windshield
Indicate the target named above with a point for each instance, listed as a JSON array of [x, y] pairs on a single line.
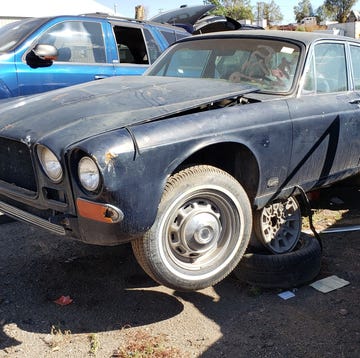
[[266, 63], [15, 32]]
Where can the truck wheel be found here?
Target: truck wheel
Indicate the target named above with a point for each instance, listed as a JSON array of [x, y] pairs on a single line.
[[278, 226], [282, 271], [201, 231]]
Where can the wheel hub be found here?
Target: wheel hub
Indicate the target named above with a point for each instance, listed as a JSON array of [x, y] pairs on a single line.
[[279, 225], [197, 230]]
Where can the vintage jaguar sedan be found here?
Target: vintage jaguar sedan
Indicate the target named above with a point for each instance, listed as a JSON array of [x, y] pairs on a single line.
[[208, 149]]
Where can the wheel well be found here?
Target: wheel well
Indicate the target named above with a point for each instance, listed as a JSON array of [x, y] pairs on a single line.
[[234, 158]]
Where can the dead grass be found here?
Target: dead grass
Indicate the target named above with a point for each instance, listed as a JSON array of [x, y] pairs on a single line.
[[57, 338], [140, 344], [323, 219]]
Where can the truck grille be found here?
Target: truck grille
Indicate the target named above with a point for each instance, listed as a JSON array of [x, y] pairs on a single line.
[[16, 164]]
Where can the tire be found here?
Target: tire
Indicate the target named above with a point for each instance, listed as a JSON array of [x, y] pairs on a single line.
[[282, 271], [277, 227], [201, 231]]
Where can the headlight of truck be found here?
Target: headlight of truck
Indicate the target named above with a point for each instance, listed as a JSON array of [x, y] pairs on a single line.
[[50, 164], [89, 175]]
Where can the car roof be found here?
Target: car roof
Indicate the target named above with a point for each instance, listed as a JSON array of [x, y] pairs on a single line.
[[113, 18], [305, 37]]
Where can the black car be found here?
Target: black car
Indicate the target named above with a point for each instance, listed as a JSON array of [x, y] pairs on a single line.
[[210, 146]]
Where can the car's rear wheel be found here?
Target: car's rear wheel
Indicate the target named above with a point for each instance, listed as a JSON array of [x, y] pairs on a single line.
[[201, 231], [277, 226]]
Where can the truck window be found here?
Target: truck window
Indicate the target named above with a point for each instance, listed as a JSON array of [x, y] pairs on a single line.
[[77, 41], [131, 45]]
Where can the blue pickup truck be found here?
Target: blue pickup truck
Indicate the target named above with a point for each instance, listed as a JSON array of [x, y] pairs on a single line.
[[42, 54]]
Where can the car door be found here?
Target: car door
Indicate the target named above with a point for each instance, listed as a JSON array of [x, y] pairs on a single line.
[[82, 57], [325, 141]]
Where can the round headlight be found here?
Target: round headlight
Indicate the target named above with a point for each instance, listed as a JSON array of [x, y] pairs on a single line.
[[50, 164], [88, 174]]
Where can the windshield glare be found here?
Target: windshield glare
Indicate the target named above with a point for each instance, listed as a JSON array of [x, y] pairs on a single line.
[[15, 32], [268, 64]]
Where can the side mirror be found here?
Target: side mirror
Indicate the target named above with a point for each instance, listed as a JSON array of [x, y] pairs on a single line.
[[41, 56], [46, 52]]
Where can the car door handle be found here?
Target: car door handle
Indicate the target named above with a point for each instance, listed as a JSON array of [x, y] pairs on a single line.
[[355, 101], [100, 77]]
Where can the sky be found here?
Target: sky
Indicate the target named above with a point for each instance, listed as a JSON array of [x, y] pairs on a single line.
[[127, 7]]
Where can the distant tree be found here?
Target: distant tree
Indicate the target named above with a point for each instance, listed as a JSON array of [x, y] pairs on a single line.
[[269, 11], [236, 9], [302, 10], [323, 14], [339, 10]]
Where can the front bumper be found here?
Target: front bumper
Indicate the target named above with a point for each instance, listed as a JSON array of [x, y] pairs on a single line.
[[107, 232], [31, 219]]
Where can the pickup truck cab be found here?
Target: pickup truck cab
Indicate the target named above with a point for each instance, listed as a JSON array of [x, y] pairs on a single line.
[[42, 54]]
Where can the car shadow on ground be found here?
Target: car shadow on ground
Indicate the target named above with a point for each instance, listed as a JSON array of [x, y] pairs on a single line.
[[108, 288]]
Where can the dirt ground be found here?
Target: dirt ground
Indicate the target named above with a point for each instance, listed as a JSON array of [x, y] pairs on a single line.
[[117, 311]]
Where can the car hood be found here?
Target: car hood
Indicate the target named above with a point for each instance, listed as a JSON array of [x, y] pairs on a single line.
[[196, 20], [75, 113]]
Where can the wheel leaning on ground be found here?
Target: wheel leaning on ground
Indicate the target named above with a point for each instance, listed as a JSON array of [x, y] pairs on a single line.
[[288, 270], [201, 231]]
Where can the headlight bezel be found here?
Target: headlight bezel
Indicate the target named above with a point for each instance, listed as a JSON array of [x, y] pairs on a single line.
[[88, 174], [50, 163]]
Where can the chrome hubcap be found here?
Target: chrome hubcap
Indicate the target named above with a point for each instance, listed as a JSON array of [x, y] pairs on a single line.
[[195, 230]]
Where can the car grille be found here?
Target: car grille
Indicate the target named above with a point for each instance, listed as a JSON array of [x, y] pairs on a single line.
[[16, 164]]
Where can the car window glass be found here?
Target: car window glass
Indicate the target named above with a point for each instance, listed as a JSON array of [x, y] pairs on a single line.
[[172, 36], [328, 71], [131, 45], [309, 80], [153, 48], [169, 36], [13, 33], [77, 41], [355, 58], [188, 63], [267, 64]]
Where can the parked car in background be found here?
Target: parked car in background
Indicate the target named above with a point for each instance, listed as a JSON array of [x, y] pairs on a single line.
[[200, 20], [42, 54], [212, 145]]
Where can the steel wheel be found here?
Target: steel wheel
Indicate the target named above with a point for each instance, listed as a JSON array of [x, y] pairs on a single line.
[[201, 232], [278, 226]]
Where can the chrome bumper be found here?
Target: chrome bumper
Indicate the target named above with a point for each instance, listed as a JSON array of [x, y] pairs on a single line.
[[31, 219]]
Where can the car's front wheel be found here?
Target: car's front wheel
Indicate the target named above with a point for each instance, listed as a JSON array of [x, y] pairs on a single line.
[[201, 231]]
